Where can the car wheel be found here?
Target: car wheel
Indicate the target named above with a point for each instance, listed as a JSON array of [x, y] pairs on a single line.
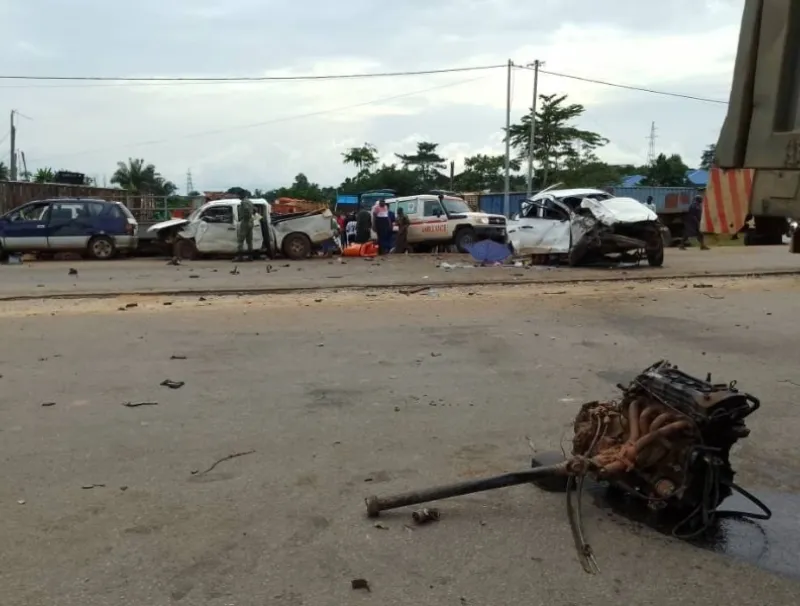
[[655, 255], [185, 249], [465, 238], [297, 246], [102, 248]]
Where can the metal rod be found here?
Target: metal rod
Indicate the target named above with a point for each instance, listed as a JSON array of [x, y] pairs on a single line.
[[375, 505], [536, 65], [507, 186]]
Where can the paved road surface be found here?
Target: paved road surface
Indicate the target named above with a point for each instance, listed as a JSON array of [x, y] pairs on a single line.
[[149, 275], [345, 395]]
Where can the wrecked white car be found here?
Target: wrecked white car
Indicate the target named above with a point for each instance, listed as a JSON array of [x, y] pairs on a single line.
[[584, 225], [211, 230]]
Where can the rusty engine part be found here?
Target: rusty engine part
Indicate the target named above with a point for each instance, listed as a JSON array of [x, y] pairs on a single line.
[[666, 442]]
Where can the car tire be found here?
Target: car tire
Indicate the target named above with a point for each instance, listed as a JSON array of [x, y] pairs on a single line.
[[465, 237], [102, 248], [655, 256], [296, 247], [185, 249]]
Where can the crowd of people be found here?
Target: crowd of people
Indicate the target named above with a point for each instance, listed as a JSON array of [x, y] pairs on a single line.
[[357, 228]]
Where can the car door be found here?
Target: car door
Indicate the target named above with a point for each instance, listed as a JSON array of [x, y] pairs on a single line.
[[259, 224], [431, 222], [542, 228], [216, 232], [25, 228], [69, 225]]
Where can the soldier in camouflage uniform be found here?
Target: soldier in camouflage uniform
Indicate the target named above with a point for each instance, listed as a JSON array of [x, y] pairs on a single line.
[[245, 229]]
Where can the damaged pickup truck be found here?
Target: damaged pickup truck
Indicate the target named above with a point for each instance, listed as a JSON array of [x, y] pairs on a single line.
[[211, 231], [585, 225]]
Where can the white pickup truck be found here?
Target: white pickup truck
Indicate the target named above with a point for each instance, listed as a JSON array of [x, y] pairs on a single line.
[[211, 230]]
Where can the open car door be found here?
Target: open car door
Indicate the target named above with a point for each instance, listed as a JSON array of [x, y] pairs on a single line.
[[543, 227]]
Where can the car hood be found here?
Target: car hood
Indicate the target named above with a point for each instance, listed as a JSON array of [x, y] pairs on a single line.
[[619, 210], [170, 223]]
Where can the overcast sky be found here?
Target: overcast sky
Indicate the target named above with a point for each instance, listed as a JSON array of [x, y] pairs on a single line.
[[262, 134]]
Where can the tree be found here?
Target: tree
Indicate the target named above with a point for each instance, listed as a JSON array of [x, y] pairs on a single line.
[[425, 160], [239, 192], [3, 172], [482, 172], [44, 175], [709, 157], [363, 158], [141, 178], [557, 139], [303, 189], [666, 172]]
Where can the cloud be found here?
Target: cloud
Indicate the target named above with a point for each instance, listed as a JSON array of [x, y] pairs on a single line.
[[263, 134]]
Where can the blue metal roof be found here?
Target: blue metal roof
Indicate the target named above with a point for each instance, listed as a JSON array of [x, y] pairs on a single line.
[[698, 177]]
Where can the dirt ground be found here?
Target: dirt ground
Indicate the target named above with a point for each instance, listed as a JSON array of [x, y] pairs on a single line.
[[341, 395], [48, 279]]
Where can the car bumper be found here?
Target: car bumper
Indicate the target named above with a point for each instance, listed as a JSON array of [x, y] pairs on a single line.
[[498, 233], [126, 242]]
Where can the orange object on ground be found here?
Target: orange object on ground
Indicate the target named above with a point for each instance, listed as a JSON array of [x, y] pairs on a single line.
[[368, 249]]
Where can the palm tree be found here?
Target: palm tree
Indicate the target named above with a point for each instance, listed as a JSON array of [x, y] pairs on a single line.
[[44, 175], [141, 178], [363, 158], [3, 172]]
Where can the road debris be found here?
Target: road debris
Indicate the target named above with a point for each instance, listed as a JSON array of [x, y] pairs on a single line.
[[380, 526], [167, 303], [131, 305], [90, 486], [235, 271], [172, 384], [701, 285], [21, 502], [174, 261], [193, 276], [222, 460], [424, 516], [652, 443], [48, 403], [174, 357], [72, 272], [360, 584], [137, 404], [414, 291]]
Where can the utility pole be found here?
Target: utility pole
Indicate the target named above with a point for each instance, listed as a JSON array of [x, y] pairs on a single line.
[[506, 191], [13, 137], [536, 65]]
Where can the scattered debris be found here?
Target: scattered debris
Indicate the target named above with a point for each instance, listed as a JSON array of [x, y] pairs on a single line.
[[72, 272], [174, 261], [123, 488], [174, 357], [414, 291], [130, 305], [193, 276], [21, 502], [137, 404], [380, 526], [48, 403], [269, 268], [711, 296], [235, 271], [222, 460], [201, 299], [172, 384], [317, 300], [167, 303], [435, 355], [701, 285], [360, 584], [320, 344], [557, 292], [90, 486], [424, 516]]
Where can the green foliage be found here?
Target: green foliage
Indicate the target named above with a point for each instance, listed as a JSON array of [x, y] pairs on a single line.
[[666, 172], [709, 157], [302, 189], [363, 158], [140, 178], [484, 173], [44, 175], [425, 161]]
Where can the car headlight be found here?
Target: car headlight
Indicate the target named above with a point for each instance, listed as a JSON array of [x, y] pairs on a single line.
[[484, 220]]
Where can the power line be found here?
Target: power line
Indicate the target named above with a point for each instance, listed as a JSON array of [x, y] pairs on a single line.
[[235, 79], [268, 122], [628, 87]]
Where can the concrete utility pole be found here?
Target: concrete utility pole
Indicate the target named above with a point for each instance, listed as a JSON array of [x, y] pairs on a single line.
[[13, 160], [506, 191], [536, 65]]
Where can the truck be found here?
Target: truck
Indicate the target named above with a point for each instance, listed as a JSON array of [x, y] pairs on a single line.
[[755, 184]]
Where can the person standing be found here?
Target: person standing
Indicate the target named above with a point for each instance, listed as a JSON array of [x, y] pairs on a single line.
[[403, 223], [363, 226], [244, 232], [650, 204], [383, 227], [691, 224]]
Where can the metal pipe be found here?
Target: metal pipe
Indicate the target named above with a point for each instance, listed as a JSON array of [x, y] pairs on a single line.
[[375, 505]]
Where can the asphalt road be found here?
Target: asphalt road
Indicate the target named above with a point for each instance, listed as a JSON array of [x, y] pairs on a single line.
[[349, 394], [154, 275]]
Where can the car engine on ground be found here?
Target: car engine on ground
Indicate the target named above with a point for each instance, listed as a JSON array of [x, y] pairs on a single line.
[[666, 443]]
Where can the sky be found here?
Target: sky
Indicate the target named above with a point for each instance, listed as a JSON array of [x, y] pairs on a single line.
[[262, 134]]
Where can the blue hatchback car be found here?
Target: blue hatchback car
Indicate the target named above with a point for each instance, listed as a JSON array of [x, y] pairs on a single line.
[[97, 228]]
